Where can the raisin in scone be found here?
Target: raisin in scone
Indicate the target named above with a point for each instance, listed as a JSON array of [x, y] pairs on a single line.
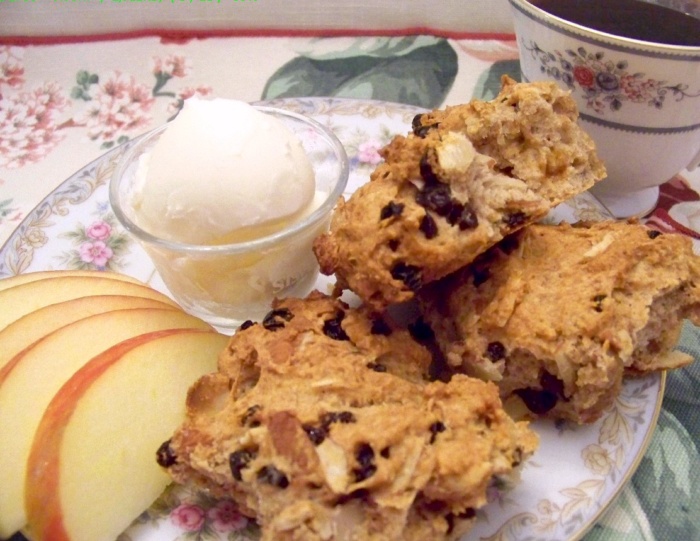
[[320, 423], [557, 314], [466, 177]]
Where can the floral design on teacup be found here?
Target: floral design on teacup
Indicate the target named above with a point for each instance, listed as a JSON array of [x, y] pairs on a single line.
[[605, 84]]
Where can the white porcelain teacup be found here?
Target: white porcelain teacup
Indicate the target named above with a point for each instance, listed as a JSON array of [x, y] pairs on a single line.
[[639, 100]]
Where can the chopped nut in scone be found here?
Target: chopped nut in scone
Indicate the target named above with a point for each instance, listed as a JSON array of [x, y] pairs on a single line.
[[322, 426], [556, 315], [463, 179]]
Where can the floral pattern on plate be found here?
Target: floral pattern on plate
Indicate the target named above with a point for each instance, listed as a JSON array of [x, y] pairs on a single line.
[[565, 487]]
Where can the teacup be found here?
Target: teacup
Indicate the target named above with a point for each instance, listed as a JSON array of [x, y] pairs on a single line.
[[639, 100]]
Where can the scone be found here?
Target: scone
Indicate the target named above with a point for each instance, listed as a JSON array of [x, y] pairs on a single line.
[[320, 423], [466, 177], [557, 314]]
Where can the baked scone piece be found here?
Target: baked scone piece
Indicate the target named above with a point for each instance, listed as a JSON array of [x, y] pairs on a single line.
[[557, 314], [320, 423], [466, 177]]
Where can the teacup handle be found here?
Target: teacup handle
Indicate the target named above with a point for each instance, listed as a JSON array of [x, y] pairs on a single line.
[[694, 162]]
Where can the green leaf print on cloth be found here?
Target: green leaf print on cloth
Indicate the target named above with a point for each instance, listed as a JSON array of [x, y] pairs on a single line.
[[667, 482], [666, 486], [625, 520], [681, 396], [417, 70], [489, 84]]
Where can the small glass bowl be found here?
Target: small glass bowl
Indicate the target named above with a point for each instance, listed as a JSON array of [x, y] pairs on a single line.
[[228, 284]]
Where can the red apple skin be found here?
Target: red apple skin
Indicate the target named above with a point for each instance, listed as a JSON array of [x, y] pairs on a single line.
[[12, 497], [44, 459], [44, 513]]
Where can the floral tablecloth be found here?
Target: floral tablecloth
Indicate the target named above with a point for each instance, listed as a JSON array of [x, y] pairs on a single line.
[[63, 105]]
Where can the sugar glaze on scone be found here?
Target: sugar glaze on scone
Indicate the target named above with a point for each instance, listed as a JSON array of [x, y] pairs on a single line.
[[321, 425], [557, 314], [466, 177]]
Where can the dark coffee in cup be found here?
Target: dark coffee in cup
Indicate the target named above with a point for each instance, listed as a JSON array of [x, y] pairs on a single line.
[[634, 19]]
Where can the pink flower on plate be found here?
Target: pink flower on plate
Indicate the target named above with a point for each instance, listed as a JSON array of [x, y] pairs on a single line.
[[172, 65], [97, 253], [368, 152], [120, 106], [28, 125], [226, 518], [188, 517], [11, 68], [99, 230]]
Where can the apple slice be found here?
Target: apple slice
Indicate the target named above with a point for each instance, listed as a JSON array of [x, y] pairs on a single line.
[[19, 300], [29, 381], [18, 279], [92, 468], [35, 325]]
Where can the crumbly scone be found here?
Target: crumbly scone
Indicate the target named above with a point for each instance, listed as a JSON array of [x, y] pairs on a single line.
[[531, 130], [321, 424], [557, 314], [466, 177]]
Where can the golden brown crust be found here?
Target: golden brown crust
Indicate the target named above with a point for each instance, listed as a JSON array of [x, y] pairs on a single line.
[[465, 178], [335, 434], [557, 314], [532, 129]]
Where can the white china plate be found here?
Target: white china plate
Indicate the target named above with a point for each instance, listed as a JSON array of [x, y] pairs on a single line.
[[573, 477]]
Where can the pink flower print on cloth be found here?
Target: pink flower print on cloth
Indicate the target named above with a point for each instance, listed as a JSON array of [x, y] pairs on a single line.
[[11, 67], [121, 106], [171, 66], [29, 125]]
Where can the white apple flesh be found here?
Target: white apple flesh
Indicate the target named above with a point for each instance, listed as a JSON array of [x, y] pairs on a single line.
[[29, 381], [26, 330], [92, 468], [22, 299], [19, 279]]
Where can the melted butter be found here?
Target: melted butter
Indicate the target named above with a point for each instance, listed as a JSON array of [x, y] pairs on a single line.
[[258, 231]]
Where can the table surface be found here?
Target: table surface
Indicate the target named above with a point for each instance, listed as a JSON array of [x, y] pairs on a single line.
[[62, 105]]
